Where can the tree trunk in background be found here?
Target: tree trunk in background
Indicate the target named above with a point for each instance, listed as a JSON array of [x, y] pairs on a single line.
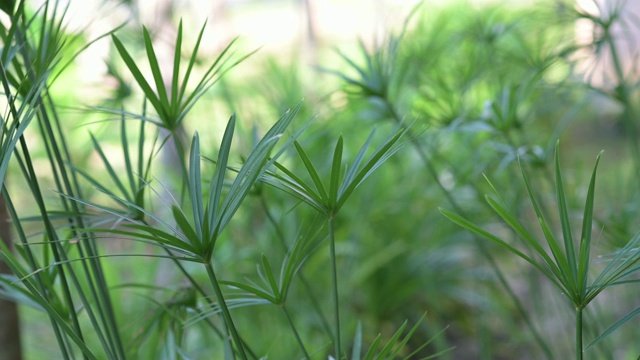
[[10, 348], [311, 42]]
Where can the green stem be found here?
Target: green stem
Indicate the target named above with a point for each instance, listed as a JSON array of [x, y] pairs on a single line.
[[295, 332], [229, 326], [579, 333], [623, 95], [199, 289], [334, 276], [395, 116], [301, 276]]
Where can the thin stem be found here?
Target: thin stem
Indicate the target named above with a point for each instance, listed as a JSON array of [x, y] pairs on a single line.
[[623, 95], [301, 276], [29, 257], [395, 116], [579, 333], [295, 332], [229, 326], [334, 276]]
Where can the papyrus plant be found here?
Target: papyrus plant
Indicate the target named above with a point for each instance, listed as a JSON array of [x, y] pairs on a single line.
[[565, 260]]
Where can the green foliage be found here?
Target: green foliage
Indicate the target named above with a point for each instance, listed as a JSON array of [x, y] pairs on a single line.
[[283, 239], [172, 108], [566, 267]]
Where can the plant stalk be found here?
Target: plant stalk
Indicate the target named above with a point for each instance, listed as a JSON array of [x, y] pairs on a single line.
[[395, 117], [301, 276], [334, 277], [579, 333], [229, 326], [623, 95], [295, 332]]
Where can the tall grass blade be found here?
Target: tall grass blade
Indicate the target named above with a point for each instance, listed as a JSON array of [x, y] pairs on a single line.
[[485, 234], [137, 74], [156, 72], [195, 185], [563, 211], [335, 174], [217, 182], [312, 172], [561, 265], [626, 318], [175, 78], [585, 237]]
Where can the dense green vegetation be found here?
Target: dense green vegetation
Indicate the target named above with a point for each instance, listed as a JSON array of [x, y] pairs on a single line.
[[440, 195]]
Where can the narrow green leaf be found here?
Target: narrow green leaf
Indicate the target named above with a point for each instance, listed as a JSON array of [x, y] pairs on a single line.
[[335, 174], [481, 232], [565, 222], [20, 121], [352, 170], [561, 269], [391, 342], [624, 261], [44, 302], [195, 186], [217, 182], [157, 73], [206, 80], [299, 185], [142, 173], [156, 237], [137, 74], [127, 156], [110, 170], [426, 343], [407, 337], [254, 167], [286, 184], [614, 327], [254, 290], [192, 62], [312, 172], [186, 228], [373, 348], [175, 105], [357, 343], [585, 237], [353, 65], [372, 164], [271, 279]]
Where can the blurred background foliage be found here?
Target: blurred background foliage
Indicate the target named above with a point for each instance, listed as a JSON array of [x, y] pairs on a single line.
[[481, 85]]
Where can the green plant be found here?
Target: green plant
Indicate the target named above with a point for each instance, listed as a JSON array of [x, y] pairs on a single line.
[[564, 264], [130, 254], [330, 202]]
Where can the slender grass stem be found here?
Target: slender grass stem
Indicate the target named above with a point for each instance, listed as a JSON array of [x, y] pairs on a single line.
[[395, 116], [230, 327], [97, 286], [180, 153], [301, 276], [579, 351], [295, 332], [32, 263], [30, 174], [56, 147], [199, 289], [623, 95], [334, 277]]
